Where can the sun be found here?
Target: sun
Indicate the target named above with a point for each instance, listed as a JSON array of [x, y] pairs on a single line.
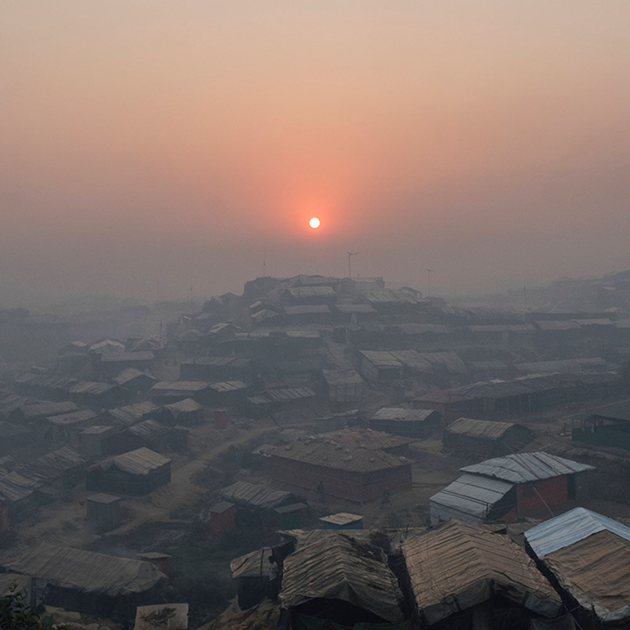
[[314, 223]]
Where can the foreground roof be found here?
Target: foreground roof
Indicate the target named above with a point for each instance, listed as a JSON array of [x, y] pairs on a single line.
[[569, 528], [86, 571], [524, 467], [457, 566], [589, 555], [339, 567]]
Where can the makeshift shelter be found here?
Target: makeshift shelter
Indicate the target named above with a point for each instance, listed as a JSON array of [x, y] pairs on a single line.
[[135, 380], [103, 511], [411, 423], [458, 572], [67, 426], [506, 488], [485, 437], [95, 440], [251, 573], [88, 582], [113, 363], [98, 395], [129, 414], [338, 579], [135, 473], [606, 426], [31, 412], [13, 437], [345, 386], [215, 369], [589, 556], [187, 412]]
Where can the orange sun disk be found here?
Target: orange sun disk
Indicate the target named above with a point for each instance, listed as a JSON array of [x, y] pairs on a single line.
[[314, 223]]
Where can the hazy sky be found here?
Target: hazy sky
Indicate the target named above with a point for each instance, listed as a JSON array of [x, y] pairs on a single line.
[[188, 141]]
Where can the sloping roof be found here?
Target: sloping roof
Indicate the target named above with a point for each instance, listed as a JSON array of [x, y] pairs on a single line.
[[596, 572], [180, 386], [11, 491], [52, 466], [75, 417], [47, 409], [480, 429], [457, 566], [256, 495], [401, 414], [92, 388], [569, 366], [354, 308], [253, 564], [86, 571], [287, 394], [391, 296], [187, 405], [341, 518], [228, 386], [130, 414], [142, 461], [148, 429], [339, 567], [569, 528], [469, 498], [425, 362], [308, 309], [130, 374], [343, 377], [524, 467], [616, 411]]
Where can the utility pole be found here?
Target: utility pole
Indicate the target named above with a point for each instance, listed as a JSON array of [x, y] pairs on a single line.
[[350, 255], [429, 272]]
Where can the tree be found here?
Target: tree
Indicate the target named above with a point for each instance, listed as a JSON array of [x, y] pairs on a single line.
[[16, 614]]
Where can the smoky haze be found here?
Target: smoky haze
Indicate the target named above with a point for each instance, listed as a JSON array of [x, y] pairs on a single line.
[[188, 143]]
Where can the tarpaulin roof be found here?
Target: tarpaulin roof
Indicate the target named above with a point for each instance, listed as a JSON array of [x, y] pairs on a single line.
[[130, 414], [339, 567], [596, 572], [149, 429], [86, 571], [469, 498], [524, 467], [253, 564], [46, 409], [74, 417], [569, 528], [131, 374], [458, 566], [183, 406]]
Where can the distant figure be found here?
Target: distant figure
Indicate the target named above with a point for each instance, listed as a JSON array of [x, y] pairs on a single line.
[[320, 491], [273, 586], [386, 497]]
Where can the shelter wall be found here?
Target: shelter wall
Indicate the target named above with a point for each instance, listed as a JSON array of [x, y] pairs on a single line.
[[533, 497]]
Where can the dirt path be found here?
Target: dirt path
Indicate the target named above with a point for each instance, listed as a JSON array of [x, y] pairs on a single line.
[[63, 522]]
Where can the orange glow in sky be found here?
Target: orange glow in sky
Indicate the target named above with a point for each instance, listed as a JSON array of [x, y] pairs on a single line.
[[314, 223]]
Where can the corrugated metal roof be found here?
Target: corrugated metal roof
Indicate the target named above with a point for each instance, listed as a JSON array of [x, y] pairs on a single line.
[[130, 414], [92, 388], [569, 528], [130, 374], [148, 429], [183, 406], [482, 429], [338, 567], [343, 377], [46, 409], [525, 467], [401, 414], [310, 309], [142, 461], [469, 498], [87, 571], [180, 386], [300, 293], [287, 394], [458, 566], [228, 386], [9, 430], [76, 417], [567, 366]]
